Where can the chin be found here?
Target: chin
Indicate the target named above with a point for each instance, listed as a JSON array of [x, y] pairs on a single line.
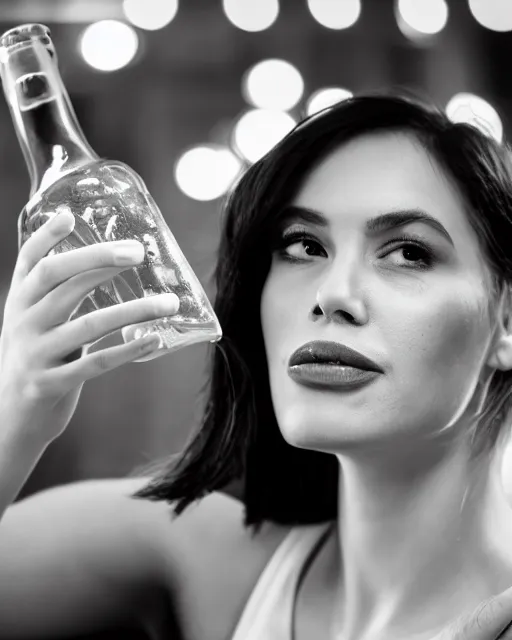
[[311, 433], [320, 428]]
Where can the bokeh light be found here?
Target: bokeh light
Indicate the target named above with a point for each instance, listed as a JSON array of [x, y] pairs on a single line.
[[470, 108], [492, 14], [108, 45], [421, 17], [150, 14], [206, 172], [333, 14], [251, 15], [258, 130], [326, 97], [273, 84]]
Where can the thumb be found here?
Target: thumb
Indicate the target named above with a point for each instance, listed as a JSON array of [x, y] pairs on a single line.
[[491, 620]]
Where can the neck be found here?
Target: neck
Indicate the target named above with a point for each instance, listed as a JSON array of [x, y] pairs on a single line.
[[51, 141], [47, 129], [420, 540]]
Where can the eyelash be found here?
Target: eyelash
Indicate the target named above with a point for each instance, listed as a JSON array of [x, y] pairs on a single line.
[[288, 239]]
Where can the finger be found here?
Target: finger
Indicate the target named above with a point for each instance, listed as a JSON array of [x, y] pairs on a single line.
[[52, 271], [58, 305], [62, 379], [489, 621], [41, 242], [98, 324]]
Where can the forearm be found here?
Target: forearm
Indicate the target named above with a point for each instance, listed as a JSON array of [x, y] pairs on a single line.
[[20, 450]]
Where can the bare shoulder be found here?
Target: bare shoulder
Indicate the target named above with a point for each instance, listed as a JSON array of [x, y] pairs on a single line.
[[78, 558], [209, 561]]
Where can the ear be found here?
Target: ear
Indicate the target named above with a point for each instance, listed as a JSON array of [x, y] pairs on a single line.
[[500, 356]]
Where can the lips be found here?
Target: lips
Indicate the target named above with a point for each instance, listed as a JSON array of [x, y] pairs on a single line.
[[328, 352]]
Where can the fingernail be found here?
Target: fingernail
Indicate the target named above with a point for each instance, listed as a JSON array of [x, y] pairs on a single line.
[[129, 251], [150, 341], [169, 302], [158, 342], [63, 219]]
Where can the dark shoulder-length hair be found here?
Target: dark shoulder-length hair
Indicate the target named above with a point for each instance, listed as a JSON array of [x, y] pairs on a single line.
[[239, 439]]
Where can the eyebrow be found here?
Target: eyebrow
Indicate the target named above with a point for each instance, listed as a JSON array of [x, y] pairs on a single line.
[[374, 226]]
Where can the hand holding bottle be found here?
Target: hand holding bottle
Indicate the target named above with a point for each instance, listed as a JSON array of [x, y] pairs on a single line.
[[39, 383]]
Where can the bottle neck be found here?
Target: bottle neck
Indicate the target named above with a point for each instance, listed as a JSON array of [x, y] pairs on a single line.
[[47, 128]]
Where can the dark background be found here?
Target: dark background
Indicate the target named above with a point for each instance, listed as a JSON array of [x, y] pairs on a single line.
[[183, 89]]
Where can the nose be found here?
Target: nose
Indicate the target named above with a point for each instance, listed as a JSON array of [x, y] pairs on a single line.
[[339, 296]]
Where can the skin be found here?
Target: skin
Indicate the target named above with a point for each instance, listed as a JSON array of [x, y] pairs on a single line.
[[423, 532]]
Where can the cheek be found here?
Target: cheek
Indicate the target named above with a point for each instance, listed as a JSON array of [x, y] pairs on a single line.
[[445, 337], [278, 307]]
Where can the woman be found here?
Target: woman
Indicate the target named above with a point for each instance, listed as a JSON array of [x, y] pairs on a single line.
[[371, 502]]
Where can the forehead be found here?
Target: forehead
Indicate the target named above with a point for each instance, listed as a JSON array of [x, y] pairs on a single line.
[[379, 172]]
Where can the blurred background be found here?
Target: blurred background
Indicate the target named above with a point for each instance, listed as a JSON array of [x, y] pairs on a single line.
[[189, 93]]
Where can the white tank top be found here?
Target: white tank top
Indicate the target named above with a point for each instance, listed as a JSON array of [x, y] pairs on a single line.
[[268, 613]]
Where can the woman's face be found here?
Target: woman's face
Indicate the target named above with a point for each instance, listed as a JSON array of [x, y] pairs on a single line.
[[421, 315]]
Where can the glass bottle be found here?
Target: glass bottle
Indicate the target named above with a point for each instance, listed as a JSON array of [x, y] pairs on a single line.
[[108, 199]]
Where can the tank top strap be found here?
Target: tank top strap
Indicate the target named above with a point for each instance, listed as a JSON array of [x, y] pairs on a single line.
[[268, 612]]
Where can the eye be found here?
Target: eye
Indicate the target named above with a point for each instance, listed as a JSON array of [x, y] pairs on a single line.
[[299, 246], [414, 248]]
